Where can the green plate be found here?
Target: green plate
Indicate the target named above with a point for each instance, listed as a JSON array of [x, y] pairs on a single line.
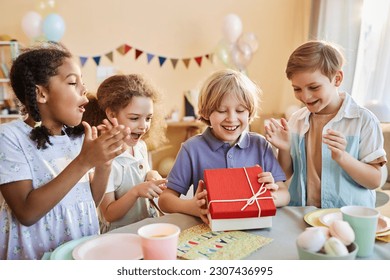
[[64, 251]]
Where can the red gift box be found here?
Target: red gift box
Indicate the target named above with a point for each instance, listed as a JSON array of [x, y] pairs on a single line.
[[237, 200]]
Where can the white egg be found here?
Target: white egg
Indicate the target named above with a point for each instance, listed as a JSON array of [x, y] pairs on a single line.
[[335, 247], [325, 230], [312, 239], [343, 231]]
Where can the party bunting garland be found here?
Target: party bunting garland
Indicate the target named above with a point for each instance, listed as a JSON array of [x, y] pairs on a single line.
[[125, 48]]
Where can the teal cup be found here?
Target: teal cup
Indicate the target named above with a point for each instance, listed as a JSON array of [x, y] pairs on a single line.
[[364, 222]]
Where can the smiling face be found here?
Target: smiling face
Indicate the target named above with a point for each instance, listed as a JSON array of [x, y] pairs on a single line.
[[62, 102], [229, 120], [137, 115], [317, 92]]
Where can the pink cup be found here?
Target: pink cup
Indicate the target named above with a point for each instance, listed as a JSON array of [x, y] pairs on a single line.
[[159, 241]]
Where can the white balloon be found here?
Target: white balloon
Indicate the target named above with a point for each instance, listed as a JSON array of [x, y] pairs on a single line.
[[245, 48], [223, 53], [31, 24], [241, 60], [248, 39], [232, 27]]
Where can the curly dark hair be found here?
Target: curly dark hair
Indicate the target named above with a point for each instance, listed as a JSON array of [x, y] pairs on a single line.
[[93, 114], [35, 66]]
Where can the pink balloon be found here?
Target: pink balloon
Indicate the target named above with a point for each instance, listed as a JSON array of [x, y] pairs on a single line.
[[31, 24], [232, 27]]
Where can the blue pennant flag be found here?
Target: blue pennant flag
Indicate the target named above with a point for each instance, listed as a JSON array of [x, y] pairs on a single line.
[[149, 57], [161, 59], [97, 59], [83, 60]]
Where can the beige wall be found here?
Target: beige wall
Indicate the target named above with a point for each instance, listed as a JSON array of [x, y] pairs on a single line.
[[176, 28]]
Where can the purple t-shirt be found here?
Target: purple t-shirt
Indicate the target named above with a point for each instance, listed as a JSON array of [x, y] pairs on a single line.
[[204, 151]]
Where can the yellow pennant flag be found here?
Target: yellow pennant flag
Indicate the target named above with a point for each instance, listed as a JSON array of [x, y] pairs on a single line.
[[186, 61]]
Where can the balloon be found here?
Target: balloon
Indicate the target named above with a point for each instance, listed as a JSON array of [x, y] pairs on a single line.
[[45, 7], [53, 27], [31, 24], [241, 60], [245, 48], [223, 53], [232, 27], [248, 40]]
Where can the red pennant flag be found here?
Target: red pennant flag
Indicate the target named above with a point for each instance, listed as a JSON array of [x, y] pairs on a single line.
[[198, 60], [123, 49], [138, 53], [186, 61], [127, 48]]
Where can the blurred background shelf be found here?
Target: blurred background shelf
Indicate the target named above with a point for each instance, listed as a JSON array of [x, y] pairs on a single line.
[[8, 118], [9, 50], [162, 159]]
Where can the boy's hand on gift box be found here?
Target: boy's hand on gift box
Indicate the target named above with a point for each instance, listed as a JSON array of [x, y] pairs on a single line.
[[269, 183], [200, 197]]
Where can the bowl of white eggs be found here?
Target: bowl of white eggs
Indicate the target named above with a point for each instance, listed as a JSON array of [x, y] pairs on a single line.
[[323, 243]]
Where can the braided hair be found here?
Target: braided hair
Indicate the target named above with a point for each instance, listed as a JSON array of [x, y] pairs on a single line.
[[35, 66]]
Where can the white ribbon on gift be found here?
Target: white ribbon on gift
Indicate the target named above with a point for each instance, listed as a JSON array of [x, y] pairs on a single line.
[[249, 201]]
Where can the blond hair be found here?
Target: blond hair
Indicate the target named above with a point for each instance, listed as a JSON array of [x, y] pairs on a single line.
[[316, 55], [222, 83]]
